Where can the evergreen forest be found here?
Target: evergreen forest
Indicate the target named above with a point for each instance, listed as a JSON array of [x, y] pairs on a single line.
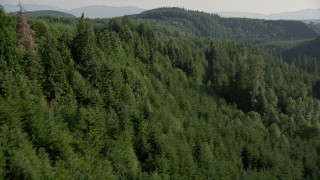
[[166, 94]]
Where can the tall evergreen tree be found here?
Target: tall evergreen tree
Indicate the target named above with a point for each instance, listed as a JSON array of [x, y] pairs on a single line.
[[84, 50], [25, 34]]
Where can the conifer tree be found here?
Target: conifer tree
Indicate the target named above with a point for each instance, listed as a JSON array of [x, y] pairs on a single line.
[[85, 51], [25, 34]]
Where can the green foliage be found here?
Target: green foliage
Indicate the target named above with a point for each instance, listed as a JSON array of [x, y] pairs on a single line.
[[315, 25], [308, 49], [111, 99], [9, 48], [85, 50], [240, 29]]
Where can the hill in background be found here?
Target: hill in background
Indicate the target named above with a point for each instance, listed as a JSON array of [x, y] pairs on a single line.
[[247, 30], [310, 48], [31, 7], [295, 15], [96, 11], [114, 98], [99, 11], [47, 13]]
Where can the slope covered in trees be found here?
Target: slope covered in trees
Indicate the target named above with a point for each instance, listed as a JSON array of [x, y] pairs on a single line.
[[305, 56], [47, 13], [240, 29], [310, 49], [110, 99], [315, 25]]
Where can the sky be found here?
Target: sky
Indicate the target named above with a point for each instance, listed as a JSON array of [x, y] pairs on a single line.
[[255, 6]]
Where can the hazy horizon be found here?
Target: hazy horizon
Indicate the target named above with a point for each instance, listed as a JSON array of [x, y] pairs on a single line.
[[252, 6]]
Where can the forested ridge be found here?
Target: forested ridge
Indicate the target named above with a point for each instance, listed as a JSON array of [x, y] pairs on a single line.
[[113, 99], [309, 48], [49, 13], [239, 29]]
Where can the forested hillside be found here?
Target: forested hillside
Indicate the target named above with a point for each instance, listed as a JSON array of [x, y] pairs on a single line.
[[112, 99], [239, 29], [310, 49], [305, 55], [47, 13], [315, 25]]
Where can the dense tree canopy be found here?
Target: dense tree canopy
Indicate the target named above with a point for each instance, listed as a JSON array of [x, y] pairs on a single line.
[[112, 99], [236, 29]]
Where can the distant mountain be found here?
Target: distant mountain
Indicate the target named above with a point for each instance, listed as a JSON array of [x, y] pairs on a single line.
[[31, 7], [296, 15], [100, 11], [315, 21], [241, 15], [47, 13], [248, 30], [96, 11]]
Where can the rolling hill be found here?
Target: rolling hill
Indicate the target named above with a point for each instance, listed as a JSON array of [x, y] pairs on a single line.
[[297, 15], [247, 30], [294, 15], [114, 98], [47, 13], [309, 49], [31, 7], [95, 11], [99, 11]]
